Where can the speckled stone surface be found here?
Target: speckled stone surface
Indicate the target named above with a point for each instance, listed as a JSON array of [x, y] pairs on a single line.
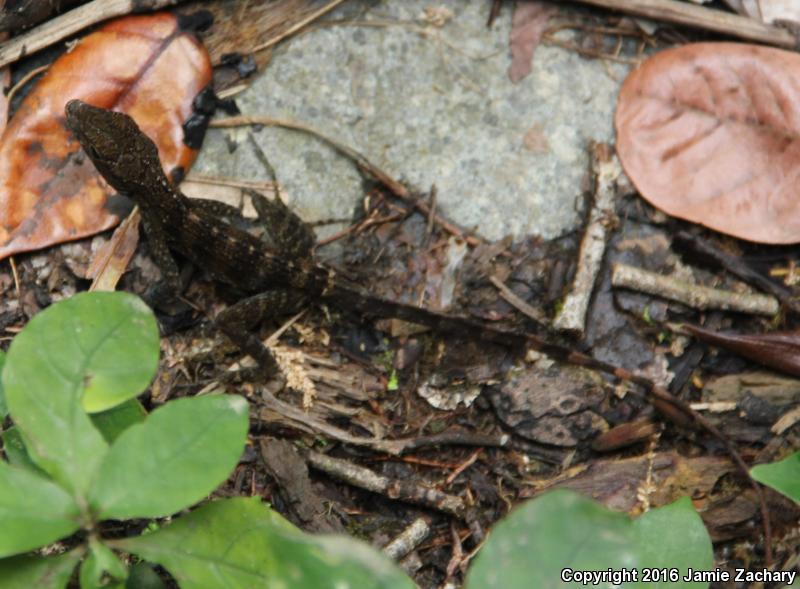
[[430, 106]]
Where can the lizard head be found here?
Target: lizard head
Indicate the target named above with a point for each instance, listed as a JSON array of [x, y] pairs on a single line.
[[120, 151]]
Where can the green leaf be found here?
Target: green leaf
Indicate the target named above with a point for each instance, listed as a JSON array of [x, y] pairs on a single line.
[[241, 543], [34, 511], [176, 457], [50, 572], [102, 568], [783, 476], [112, 422], [95, 348], [3, 407], [674, 536], [17, 454], [561, 531], [142, 576]]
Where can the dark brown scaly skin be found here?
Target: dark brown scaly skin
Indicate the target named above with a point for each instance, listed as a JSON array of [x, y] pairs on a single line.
[[285, 278]]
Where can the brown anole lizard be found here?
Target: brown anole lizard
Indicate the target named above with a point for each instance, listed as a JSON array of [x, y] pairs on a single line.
[[284, 277], [275, 278]]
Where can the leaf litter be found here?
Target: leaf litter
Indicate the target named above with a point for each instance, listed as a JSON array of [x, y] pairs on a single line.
[[388, 256]]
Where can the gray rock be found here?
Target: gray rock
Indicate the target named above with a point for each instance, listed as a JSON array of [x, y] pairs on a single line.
[[430, 106]]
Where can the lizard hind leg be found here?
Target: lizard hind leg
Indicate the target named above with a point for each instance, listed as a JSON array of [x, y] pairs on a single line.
[[292, 236], [238, 321]]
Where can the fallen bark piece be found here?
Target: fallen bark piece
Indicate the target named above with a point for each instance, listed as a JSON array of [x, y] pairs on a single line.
[[625, 434], [692, 295], [306, 508]]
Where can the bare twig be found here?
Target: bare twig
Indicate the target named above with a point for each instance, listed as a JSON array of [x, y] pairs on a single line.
[[690, 15], [367, 167], [693, 295], [362, 163], [359, 227], [550, 39], [15, 274], [516, 302], [606, 168], [462, 467], [25, 79], [296, 27], [259, 185], [457, 555], [71, 22], [303, 421]]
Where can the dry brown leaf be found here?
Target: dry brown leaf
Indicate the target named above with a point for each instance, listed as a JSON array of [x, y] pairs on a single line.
[[527, 26], [778, 350], [710, 132], [535, 139], [111, 261], [49, 192]]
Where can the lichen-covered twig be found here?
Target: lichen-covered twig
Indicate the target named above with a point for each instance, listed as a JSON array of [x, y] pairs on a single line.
[[692, 295], [606, 169], [736, 266], [411, 537], [402, 490]]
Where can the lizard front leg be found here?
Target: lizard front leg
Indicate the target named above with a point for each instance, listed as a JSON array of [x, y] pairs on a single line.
[[170, 284], [291, 235], [237, 322]]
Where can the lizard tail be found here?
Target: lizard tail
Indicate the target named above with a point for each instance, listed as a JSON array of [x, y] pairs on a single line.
[[673, 408]]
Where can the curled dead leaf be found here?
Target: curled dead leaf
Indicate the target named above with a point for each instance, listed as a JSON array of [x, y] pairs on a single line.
[[143, 65], [778, 350], [710, 133], [527, 27]]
